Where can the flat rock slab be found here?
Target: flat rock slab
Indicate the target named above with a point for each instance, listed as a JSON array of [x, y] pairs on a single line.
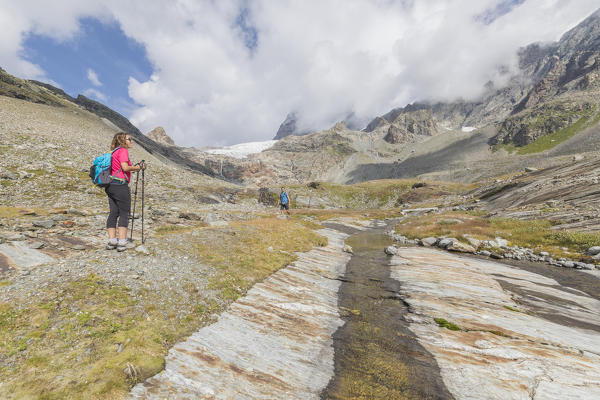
[[499, 352], [21, 255], [274, 343]]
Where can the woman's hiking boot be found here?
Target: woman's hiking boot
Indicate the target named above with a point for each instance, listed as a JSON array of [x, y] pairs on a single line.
[[122, 246]]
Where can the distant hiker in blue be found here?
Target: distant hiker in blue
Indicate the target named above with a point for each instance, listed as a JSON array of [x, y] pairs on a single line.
[[284, 201]]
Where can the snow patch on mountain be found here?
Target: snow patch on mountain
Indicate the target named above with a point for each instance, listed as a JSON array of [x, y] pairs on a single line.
[[243, 150]]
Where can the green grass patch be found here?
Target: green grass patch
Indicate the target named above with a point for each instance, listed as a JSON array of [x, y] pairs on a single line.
[[245, 252], [5, 283], [74, 335], [511, 308], [442, 323], [549, 141]]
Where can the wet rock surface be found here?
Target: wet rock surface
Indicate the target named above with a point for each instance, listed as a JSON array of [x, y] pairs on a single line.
[[498, 331]]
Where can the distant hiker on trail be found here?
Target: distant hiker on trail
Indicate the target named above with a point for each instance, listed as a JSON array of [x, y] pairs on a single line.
[[284, 201], [119, 195]]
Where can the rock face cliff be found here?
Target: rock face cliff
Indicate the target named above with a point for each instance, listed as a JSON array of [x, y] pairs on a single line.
[[290, 127], [557, 86]]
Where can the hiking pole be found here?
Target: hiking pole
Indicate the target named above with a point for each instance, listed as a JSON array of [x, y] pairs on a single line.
[[134, 203], [143, 184]]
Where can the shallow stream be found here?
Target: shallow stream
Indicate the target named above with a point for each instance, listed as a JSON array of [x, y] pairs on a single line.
[[376, 355]]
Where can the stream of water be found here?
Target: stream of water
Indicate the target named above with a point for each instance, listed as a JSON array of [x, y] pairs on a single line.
[[376, 355]]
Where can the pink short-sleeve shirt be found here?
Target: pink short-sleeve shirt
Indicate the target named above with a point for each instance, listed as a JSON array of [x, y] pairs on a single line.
[[119, 156]]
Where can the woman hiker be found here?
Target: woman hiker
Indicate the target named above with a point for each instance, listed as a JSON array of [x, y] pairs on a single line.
[[119, 196]]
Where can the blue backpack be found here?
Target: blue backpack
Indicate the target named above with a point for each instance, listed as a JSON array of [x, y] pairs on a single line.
[[101, 168]]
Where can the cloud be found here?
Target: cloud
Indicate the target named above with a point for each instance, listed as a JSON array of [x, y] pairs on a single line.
[[93, 77], [229, 71], [94, 94]]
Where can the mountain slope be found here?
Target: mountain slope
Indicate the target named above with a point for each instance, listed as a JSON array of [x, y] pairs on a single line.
[[43, 93]]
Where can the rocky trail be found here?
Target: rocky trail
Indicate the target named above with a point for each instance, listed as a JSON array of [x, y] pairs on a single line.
[[422, 324]]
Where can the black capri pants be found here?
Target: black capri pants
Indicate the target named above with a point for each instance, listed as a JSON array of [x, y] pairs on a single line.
[[119, 201]]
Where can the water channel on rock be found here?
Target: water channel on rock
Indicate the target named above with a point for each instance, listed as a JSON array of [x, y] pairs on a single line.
[[376, 355]]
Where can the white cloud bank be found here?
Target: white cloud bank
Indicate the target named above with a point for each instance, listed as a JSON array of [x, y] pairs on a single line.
[[93, 77], [321, 58]]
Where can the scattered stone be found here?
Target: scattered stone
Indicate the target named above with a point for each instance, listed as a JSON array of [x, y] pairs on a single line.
[[142, 250], [428, 241], [594, 250], [224, 223], [68, 224], [443, 243], [472, 241], [578, 157], [9, 175], [13, 237], [544, 254], [348, 249], [25, 175], [270, 249], [567, 264], [496, 256], [44, 223], [530, 169], [78, 247], [460, 247], [157, 213], [74, 211], [190, 216], [36, 245], [485, 253], [391, 251]]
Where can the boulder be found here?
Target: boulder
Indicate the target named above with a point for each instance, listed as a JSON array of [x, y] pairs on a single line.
[[460, 247], [44, 223], [190, 216], [567, 264], [472, 241], [428, 241], [443, 243], [348, 249], [391, 251], [141, 249], [592, 251]]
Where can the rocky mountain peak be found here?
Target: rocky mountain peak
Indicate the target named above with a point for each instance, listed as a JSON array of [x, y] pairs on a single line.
[[290, 127], [159, 135]]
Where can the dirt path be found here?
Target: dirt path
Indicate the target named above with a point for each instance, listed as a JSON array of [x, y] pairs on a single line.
[[274, 343]]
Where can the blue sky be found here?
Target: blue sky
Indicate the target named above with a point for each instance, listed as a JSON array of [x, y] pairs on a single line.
[[101, 47]]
